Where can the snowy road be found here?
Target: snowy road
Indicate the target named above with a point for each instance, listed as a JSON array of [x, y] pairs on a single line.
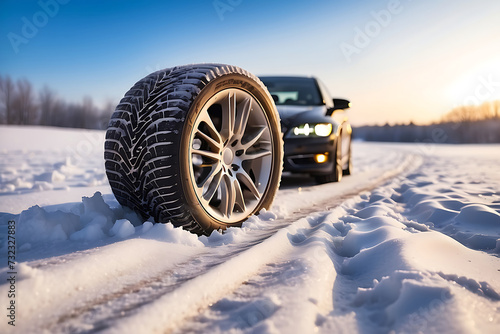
[[409, 243]]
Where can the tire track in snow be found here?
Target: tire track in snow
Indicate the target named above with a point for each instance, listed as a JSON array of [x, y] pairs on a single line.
[[297, 286], [137, 291]]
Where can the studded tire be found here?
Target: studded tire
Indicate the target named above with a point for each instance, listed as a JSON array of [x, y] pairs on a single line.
[[199, 146]]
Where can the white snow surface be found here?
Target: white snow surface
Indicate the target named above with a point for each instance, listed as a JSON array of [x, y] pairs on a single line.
[[409, 243]]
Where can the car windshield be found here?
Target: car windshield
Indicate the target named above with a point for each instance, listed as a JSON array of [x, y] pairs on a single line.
[[293, 90]]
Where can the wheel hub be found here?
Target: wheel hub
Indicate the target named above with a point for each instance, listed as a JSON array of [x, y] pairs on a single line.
[[227, 156]]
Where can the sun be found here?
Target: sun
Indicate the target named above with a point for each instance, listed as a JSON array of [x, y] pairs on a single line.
[[476, 86]]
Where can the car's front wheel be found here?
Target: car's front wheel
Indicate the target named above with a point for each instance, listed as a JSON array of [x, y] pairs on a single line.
[[336, 173], [199, 146], [348, 167]]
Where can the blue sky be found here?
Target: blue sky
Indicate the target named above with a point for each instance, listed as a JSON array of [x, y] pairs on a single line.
[[395, 60]]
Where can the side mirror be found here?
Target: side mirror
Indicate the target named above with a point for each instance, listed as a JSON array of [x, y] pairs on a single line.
[[341, 104]]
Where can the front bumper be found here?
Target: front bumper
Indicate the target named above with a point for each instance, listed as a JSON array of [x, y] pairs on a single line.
[[300, 152]]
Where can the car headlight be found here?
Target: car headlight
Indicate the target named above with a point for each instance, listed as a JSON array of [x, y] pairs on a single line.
[[311, 130]]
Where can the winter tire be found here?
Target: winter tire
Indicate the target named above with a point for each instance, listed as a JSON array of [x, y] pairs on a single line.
[[348, 168], [199, 146]]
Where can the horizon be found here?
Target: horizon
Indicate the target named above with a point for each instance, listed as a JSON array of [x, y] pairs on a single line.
[[396, 61]]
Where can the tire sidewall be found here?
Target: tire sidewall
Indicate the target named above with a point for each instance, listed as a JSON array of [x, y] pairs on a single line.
[[337, 168], [261, 95]]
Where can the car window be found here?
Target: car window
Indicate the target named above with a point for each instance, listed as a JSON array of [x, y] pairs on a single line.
[[293, 90]]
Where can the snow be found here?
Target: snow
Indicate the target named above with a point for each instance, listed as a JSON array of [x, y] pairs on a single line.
[[122, 228], [409, 243]]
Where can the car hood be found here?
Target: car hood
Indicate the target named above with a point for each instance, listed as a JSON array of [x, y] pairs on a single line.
[[293, 115], [287, 112]]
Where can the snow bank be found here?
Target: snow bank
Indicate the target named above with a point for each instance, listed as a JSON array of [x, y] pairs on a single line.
[[90, 221]]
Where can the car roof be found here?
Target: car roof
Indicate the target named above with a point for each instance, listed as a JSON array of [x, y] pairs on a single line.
[[288, 76]]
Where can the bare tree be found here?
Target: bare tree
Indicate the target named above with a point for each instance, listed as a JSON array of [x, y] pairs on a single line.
[[60, 114], [8, 90], [19, 104], [495, 109], [105, 114], [24, 105], [48, 103], [3, 115], [485, 110], [89, 112]]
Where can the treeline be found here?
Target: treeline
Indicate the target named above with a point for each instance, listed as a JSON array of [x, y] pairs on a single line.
[[464, 124], [20, 104]]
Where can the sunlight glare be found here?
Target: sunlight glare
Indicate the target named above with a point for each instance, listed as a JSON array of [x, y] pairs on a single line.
[[476, 86]]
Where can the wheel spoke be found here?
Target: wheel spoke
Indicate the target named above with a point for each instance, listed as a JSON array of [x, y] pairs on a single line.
[[244, 178], [242, 118], [209, 140], [228, 112], [253, 156], [208, 154], [211, 127], [239, 199], [227, 196], [254, 137], [213, 181]]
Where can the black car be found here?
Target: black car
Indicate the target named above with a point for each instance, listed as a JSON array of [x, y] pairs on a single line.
[[316, 131]]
